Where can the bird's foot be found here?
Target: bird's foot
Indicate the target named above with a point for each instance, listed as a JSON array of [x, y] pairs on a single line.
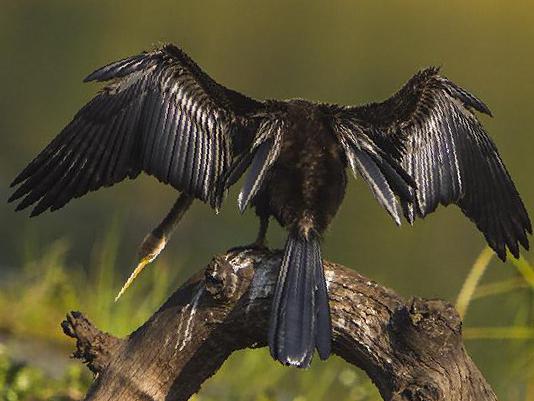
[[254, 246], [149, 250]]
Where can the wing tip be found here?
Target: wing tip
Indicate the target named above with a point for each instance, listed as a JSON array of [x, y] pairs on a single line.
[[507, 248], [242, 203], [528, 225], [480, 106], [397, 219], [16, 181], [98, 75], [25, 173], [89, 78], [467, 98], [486, 110], [21, 206], [120, 68], [12, 198], [514, 249], [500, 251], [38, 210]]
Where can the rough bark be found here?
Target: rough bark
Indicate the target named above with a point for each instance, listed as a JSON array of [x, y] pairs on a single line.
[[411, 350]]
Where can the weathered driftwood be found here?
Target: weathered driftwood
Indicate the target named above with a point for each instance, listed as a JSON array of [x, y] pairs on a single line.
[[411, 350]]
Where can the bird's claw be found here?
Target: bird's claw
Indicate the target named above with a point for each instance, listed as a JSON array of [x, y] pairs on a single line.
[[254, 246]]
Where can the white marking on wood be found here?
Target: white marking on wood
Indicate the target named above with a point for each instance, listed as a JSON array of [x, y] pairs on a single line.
[[258, 287], [329, 276], [192, 307]]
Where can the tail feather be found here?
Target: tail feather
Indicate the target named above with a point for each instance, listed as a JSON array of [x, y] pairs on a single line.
[[300, 317], [323, 338]]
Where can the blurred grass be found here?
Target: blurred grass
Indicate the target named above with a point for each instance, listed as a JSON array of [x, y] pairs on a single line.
[[22, 382], [520, 334], [37, 298], [472, 280]]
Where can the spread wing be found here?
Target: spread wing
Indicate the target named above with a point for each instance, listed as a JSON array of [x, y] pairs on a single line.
[[430, 127], [373, 160], [161, 114]]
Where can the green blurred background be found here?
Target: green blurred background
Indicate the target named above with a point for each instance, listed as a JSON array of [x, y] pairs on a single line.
[[347, 52]]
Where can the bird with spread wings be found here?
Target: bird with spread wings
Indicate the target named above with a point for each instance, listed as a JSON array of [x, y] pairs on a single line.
[[162, 115]]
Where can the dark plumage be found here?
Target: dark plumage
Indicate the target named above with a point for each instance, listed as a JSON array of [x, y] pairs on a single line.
[[162, 115]]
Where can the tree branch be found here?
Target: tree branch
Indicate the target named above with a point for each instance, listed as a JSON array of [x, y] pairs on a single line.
[[412, 351]]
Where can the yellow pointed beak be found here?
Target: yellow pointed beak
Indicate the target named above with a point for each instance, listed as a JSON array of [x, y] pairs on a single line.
[[141, 265], [148, 252]]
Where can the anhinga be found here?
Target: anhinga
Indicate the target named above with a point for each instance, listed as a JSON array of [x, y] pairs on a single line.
[[162, 115]]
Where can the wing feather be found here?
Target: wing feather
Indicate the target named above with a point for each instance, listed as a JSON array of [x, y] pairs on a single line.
[[384, 175], [431, 125], [265, 149], [377, 182], [161, 114]]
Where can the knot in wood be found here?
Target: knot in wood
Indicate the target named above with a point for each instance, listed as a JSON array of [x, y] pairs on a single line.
[[424, 391], [226, 279], [428, 326]]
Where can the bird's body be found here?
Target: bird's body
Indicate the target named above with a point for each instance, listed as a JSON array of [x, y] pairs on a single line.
[[307, 182], [162, 115]]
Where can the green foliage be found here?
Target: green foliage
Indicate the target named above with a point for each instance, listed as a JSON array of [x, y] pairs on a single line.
[[37, 299], [266, 380], [21, 382], [520, 333], [472, 280]]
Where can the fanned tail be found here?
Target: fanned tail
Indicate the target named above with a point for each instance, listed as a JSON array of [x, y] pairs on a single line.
[[300, 315]]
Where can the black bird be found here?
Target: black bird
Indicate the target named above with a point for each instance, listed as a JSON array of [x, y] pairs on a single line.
[[162, 115]]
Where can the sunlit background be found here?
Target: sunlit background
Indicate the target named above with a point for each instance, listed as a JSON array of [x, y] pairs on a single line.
[[333, 51]]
